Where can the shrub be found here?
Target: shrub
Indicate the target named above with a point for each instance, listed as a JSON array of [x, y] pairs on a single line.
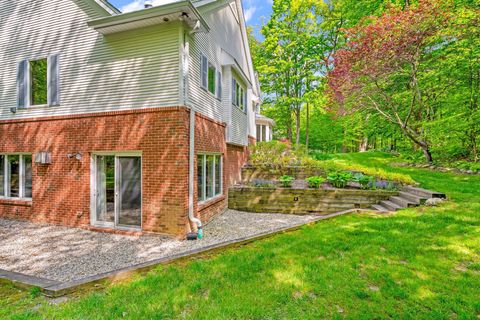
[[363, 180], [339, 179], [259, 183], [286, 181], [315, 181]]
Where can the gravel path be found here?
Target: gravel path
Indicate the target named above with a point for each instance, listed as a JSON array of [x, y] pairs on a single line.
[[67, 254]]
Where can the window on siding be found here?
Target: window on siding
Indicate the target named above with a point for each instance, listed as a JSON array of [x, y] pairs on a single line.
[[209, 176], [38, 82], [16, 176], [239, 95], [212, 76]]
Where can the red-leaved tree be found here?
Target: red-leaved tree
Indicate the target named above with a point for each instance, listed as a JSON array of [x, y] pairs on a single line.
[[385, 66]]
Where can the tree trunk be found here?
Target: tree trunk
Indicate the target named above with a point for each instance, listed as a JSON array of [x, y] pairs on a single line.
[[363, 145], [307, 126], [297, 128], [427, 154]]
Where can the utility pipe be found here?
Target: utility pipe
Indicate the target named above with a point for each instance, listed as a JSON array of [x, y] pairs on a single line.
[[191, 181]]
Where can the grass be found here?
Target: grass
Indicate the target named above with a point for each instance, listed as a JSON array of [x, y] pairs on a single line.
[[420, 263]]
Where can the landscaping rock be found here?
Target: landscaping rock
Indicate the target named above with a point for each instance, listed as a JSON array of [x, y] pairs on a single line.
[[433, 202]]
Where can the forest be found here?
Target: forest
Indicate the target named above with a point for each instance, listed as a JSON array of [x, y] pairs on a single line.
[[389, 75]]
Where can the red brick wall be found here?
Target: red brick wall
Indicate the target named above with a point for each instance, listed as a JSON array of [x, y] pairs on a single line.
[[61, 191], [209, 137]]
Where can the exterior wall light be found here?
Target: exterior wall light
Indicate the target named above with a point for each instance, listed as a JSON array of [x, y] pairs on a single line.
[[77, 156]]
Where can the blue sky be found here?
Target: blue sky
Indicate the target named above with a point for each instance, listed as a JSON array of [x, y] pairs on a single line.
[[256, 11]]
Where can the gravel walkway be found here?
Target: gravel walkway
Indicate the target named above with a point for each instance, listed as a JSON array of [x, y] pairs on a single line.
[[67, 254]]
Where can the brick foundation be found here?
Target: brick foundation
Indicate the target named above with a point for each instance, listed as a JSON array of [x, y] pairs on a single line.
[[61, 190]]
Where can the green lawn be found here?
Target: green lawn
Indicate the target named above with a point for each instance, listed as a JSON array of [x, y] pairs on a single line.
[[417, 264]]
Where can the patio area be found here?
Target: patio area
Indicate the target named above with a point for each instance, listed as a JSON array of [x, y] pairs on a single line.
[[60, 255]]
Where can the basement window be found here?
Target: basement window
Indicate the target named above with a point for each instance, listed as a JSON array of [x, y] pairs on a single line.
[[209, 176], [16, 176]]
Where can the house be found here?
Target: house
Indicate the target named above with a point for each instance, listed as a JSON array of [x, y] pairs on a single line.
[[124, 122], [264, 128]]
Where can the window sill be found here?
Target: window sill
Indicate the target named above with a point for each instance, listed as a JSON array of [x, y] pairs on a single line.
[[209, 202], [16, 202]]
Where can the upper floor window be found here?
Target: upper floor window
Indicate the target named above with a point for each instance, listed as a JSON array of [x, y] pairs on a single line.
[[38, 82], [239, 95], [211, 78], [16, 176]]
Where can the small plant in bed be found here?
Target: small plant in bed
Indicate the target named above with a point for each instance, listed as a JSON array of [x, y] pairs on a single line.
[[385, 185], [260, 183], [339, 179], [365, 181], [286, 181], [315, 182]]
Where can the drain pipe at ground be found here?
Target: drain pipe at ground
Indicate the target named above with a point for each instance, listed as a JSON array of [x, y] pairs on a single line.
[[191, 166]]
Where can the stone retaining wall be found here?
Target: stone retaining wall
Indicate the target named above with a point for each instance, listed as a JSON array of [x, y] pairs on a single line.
[[303, 201]]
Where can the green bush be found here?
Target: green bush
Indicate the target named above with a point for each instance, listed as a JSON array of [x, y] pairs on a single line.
[[286, 181], [315, 182], [339, 179], [260, 183], [364, 180]]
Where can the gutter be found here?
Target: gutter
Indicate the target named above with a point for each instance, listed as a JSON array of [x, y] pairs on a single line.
[[150, 13]]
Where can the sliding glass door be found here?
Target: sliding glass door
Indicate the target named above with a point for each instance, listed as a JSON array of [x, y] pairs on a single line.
[[117, 191]]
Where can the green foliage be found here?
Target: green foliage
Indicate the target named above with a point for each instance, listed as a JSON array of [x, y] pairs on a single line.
[[315, 182], [286, 181], [420, 263], [364, 181], [339, 179], [260, 183]]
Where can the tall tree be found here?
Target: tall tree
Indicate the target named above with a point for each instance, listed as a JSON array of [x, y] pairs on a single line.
[[386, 68]]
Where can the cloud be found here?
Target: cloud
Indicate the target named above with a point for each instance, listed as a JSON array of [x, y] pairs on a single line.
[[249, 12], [138, 4]]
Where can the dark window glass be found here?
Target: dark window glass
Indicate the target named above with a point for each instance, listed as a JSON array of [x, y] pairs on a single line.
[[38, 76], [218, 175], [211, 78], [200, 180], [264, 133], [2, 176], [209, 176], [258, 132], [14, 175], [28, 176]]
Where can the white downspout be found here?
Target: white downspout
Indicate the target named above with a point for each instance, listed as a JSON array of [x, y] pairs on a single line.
[[191, 177], [191, 152]]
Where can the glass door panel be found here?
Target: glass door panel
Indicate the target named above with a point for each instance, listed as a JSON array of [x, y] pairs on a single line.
[[105, 189], [130, 195]]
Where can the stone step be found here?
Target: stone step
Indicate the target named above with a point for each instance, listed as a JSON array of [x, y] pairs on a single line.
[[390, 205], [412, 197], [402, 202], [424, 192], [380, 208]]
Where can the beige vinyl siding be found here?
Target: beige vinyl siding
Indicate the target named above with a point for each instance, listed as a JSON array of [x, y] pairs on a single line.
[[128, 70], [225, 33]]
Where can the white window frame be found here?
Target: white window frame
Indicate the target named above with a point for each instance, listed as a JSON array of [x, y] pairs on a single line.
[[204, 198], [6, 174], [239, 95], [217, 85]]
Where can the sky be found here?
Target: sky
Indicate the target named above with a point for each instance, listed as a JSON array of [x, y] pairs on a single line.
[[256, 11]]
